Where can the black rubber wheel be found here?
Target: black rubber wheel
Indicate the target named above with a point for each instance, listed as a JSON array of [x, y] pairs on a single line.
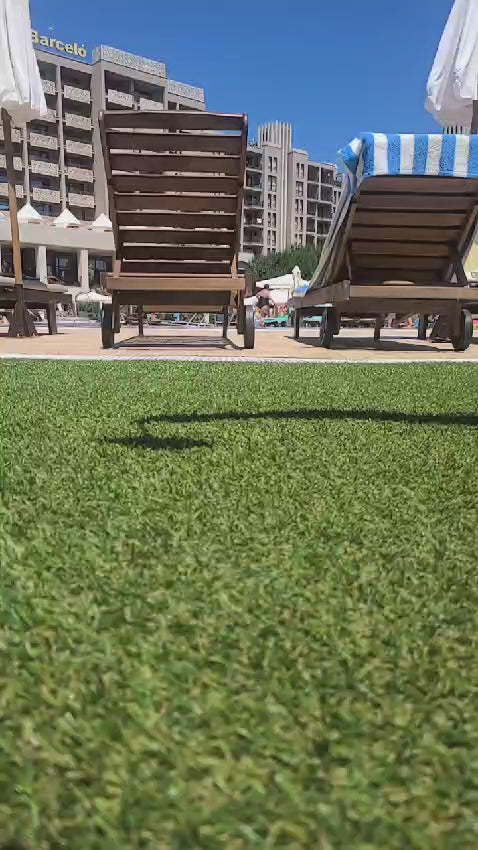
[[240, 320], [328, 327], [296, 324], [462, 340], [107, 335], [249, 328]]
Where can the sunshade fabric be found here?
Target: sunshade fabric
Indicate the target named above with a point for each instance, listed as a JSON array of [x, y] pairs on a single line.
[[21, 92], [453, 81]]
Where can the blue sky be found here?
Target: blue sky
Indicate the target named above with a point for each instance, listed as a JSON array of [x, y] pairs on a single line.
[[333, 69]]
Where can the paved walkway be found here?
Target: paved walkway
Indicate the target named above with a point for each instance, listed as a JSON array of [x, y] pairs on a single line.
[[353, 345]]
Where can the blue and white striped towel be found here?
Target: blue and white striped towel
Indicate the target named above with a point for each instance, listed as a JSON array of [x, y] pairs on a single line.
[[374, 154]]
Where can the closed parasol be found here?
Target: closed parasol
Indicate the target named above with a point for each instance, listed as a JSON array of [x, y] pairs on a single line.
[[452, 91], [21, 100]]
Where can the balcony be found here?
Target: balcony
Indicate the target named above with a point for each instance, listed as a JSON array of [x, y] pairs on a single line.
[[38, 140], [17, 162], [76, 200], [83, 175], [78, 148], [152, 105], [81, 122], [4, 190], [120, 98], [50, 116], [16, 134], [47, 196], [74, 93], [48, 86], [254, 201], [41, 166], [256, 187], [254, 222]]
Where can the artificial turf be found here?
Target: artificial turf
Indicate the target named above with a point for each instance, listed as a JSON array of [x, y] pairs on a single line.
[[239, 606]]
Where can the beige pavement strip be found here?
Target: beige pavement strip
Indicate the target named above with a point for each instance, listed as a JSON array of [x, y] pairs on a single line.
[[352, 346]]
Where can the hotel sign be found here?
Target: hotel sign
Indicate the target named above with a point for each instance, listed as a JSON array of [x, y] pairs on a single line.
[[70, 47]]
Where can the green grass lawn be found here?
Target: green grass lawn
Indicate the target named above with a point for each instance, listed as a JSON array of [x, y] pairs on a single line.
[[239, 607]]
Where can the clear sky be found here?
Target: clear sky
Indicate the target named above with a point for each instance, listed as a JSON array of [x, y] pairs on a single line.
[[333, 68]]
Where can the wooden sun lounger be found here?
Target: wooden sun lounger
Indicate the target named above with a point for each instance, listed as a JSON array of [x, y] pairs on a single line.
[[38, 296], [175, 182], [401, 251]]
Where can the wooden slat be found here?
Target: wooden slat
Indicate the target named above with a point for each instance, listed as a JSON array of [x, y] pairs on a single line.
[[409, 219], [174, 183], [401, 249], [413, 202], [177, 252], [398, 263], [155, 267], [404, 234], [182, 203], [172, 120], [180, 283], [160, 163], [398, 291], [162, 236], [369, 275], [430, 185], [186, 221], [163, 142]]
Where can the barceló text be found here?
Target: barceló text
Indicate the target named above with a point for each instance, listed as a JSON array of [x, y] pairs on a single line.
[[56, 44]]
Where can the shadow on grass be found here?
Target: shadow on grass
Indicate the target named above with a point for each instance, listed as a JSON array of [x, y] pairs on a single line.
[[466, 419], [167, 444]]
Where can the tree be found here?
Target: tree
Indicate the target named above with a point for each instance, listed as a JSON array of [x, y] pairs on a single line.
[[274, 265]]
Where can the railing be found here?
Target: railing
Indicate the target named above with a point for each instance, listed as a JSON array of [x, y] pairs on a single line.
[[50, 116], [84, 175], [16, 134], [40, 166], [4, 190], [183, 90], [121, 98], [74, 93], [48, 86], [78, 121], [76, 200], [78, 148], [153, 105], [17, 162], [38, 140], [48, 196]]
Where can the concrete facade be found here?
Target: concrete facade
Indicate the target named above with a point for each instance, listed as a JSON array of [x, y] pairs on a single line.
[[288, 198]]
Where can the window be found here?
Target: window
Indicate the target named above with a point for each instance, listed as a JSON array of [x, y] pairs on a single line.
[[299, 189], [274, 165], [269, 202], [302, 170], [268, 237], [296, 206], [270, 163], [301, 207], [274, 220], [296, 222], [301, 223], [273, 238], [269, 219], [44, 209], [272, 184]]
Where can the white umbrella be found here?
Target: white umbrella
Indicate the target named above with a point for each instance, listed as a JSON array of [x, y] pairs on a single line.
[[452, 91], [93, 297], [21, 100]]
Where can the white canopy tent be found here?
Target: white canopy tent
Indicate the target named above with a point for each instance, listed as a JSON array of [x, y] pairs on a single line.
[[285, 283], [21, 100], [452, 91]]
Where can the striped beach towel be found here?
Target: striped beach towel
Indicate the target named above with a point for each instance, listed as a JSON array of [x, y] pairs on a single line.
[[374, 154]]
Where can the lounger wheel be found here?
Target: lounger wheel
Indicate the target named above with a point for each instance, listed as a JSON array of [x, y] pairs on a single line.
[[240, 320], [328, 327], [249, 329], [107, 335], [462, 339]]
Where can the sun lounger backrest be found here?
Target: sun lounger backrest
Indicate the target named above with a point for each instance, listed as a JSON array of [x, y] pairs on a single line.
[[175, 183], [408, 228]]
